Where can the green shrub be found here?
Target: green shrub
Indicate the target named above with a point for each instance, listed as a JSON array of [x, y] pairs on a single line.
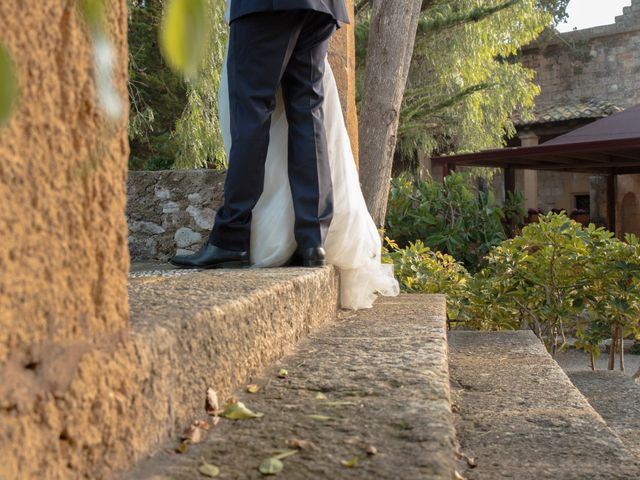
[[421, 270], [450, 217], [556, 278]]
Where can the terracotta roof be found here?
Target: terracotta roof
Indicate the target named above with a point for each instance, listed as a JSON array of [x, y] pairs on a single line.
[[572, 111]]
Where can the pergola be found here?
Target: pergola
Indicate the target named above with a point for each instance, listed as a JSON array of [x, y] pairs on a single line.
[[607, 147]]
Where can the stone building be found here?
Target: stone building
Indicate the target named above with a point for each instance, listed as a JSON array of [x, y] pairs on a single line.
[[584, 75]]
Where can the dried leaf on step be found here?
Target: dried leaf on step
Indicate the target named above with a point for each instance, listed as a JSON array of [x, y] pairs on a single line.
[[271, 466], [321, 396], [252, 388], [183, 447], [351, 463], [457, 476], [209, 470], [320, 418], [196, 432], [301, 444], [283, 373], [239, 411], [371, 450], [211, 404]]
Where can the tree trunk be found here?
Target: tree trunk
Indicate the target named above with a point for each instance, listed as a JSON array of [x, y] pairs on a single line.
[[390, 49], [612, 347], [621, 335]]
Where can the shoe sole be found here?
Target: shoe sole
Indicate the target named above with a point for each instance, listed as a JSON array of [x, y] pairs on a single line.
[[314, 263]]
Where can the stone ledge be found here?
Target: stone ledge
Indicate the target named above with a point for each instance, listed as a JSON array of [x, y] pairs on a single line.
[[521, 417], [386, 368], [188, 331]]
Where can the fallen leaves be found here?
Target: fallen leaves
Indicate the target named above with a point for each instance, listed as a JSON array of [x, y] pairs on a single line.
[[301, 444], [371, 450], [252, 388], [273, 465], [196, 432], [239, 411], [353, 463], [282, 373], [211, 404], [209, 470]]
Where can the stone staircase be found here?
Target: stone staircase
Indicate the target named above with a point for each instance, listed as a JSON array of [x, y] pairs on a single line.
[[381, 393], [520, 416]]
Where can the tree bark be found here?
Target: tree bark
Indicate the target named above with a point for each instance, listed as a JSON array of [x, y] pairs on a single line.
[[390, 49], [612, 348]]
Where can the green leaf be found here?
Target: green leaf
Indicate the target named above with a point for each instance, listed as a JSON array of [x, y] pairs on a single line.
[[93, 13], [184, 34], [351, 463], [282, 373], [271, 466], [209, 470], [320, 418], [239, 411], [8, 85]]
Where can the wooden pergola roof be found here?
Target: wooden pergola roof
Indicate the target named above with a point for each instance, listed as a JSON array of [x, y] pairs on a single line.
[[610, 146]]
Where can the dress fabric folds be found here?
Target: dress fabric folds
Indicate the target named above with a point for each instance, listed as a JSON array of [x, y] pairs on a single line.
[[353, 243]]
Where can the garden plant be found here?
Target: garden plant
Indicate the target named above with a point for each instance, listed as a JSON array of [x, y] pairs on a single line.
[[557, 278]]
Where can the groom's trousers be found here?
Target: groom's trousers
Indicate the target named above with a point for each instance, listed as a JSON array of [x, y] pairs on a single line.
[[268, 50]]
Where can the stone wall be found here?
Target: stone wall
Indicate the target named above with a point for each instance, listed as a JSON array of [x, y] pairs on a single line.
[[64, 260], [601, 63], [171, 211]]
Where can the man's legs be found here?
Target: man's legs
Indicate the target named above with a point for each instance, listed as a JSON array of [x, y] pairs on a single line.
[[260, 46], [309, 173]]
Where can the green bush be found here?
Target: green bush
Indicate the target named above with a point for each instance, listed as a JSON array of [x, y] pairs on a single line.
[[559, 277], [421, 270], [556, 278], [450, 217]]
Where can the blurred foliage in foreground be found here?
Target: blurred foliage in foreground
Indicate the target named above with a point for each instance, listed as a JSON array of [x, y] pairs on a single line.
[[173, 119], [556, 278], [8, 85]]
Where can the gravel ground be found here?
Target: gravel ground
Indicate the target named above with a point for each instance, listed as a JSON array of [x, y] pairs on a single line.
[[576, 360]]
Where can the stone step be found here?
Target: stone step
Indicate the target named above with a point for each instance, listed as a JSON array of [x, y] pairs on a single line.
[[191, 330], [386, 368], [519, 416], [616, 397]]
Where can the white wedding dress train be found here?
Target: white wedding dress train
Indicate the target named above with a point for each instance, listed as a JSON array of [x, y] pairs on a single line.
[[353, 243]]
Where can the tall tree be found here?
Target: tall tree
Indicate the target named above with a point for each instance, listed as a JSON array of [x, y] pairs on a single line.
[[463, 86], [389, 51]]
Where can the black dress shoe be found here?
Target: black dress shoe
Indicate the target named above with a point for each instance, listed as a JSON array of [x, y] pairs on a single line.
[[211, 256], [308, 257]]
